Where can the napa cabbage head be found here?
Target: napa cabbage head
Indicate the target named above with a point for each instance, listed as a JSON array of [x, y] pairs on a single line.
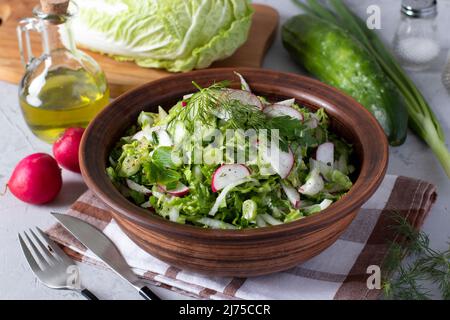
[[177, 35]]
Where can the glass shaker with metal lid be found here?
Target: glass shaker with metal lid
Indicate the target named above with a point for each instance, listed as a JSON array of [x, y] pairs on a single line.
[[416, 41], [63, 87]]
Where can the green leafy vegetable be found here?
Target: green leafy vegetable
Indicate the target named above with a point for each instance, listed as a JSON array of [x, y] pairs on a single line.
[[421, 117], [265, 195], [177, 35]]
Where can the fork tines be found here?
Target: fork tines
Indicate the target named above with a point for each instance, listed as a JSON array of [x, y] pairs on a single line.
[[40, 251]]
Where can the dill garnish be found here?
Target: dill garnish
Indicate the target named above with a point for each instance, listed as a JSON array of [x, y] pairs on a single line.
[[213, 100], [206, 105], [428, 265]]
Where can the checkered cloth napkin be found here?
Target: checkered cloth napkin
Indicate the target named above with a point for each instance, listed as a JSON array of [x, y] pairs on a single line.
[[339, 272]]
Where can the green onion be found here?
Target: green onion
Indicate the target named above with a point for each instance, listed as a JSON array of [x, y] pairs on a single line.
[[422, 119]]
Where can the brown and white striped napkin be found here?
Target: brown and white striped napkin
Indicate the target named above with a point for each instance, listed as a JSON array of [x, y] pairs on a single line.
[[337, 273]]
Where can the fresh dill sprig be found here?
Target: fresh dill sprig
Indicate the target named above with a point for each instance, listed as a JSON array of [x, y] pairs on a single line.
[[206, 104], [405, 281], [215, 101]]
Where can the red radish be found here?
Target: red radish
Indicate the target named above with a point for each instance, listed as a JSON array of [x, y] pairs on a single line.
[[292, 194], [180, 190], [325, 153], [36, 179], [228, 174], [279, 110], [65, 149], [282, 162], [245, 97]]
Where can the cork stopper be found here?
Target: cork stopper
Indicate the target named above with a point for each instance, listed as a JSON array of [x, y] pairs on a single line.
[[58, 7]]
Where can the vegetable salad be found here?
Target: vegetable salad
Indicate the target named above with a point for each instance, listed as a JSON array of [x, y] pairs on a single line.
[[228, 159]]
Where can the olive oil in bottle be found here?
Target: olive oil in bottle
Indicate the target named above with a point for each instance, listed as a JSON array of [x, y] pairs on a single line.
[[68, 98], [64, 87]]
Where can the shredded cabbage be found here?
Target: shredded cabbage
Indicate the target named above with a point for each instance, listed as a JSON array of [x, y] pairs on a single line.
[[147, 169]]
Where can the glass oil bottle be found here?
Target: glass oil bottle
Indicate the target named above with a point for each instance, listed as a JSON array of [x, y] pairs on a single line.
[[63, 87]]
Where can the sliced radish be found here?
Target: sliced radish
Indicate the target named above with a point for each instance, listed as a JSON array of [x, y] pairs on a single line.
[[325, 153], [313, 185], [292, 194], [223, 194], [244, 84], [278, 110], [137, 187], [325, 170], [180, 191], [245, 97], [312, 123], [286, 103], [282, 162], [228, 174]]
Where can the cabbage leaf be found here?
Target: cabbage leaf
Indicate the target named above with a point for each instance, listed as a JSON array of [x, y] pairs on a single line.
[[177, 35]]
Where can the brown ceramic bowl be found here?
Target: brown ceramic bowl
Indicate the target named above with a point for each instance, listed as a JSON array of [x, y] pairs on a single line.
[[243, 252]]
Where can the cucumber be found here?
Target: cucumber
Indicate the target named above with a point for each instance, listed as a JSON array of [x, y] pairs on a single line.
[[249, 209], [338, 59]]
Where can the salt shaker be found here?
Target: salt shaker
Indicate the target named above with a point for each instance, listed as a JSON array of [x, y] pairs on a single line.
[[416, 41]]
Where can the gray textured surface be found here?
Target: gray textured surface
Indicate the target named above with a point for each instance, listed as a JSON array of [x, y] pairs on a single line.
[[17, 282]]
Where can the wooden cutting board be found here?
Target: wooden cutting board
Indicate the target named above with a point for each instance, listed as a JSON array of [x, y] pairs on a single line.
[[123, 76]]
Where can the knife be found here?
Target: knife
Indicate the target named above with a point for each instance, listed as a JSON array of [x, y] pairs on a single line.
[[104, 249]]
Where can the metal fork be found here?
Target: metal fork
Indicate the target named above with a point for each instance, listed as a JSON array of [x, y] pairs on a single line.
[[50, 264]]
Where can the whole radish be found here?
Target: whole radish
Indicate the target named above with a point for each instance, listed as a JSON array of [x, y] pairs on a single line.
[[36, 179], [66, 149]]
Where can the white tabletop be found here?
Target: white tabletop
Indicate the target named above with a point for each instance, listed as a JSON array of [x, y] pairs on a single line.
[[412, 159]]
